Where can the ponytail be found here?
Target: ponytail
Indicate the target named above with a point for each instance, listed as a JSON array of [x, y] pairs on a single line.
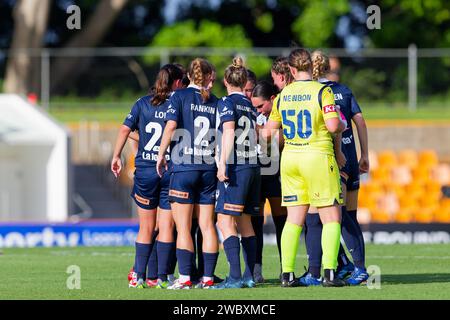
[[199, 69], [167, 75], [236, 74], [321, 65]]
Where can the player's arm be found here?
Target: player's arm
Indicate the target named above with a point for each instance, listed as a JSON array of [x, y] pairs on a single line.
[[134, 136], [361, 127], [227, 148], [331, 113], [337, 144], [166, 138], [116, 162]]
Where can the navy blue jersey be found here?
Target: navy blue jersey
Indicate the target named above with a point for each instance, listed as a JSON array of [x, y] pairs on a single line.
[[149, 120], [343, 97], [238, 108], [194, 141]]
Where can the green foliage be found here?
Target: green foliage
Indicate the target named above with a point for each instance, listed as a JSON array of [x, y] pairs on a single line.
[[316, 23], [264, 22], [359, 80], [209, 34]]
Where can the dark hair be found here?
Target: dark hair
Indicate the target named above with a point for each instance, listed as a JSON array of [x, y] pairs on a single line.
[[265, 90], [236, 74], [251, 76], [164, 81], [185, 80], [198, 69], [281, 66]]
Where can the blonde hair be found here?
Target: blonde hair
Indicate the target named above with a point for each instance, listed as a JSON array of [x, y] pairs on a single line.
[[199, 69], [300, 59], [236, 74], [321, 64], [281, 66]]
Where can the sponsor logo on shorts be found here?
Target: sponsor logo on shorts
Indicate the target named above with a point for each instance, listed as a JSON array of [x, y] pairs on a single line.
[[233, 207], [329, 108], [179, 194], [317, 195], [142, 200], [290, 198]]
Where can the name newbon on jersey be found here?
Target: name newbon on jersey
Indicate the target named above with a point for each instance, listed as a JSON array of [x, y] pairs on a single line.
[[297, 97]]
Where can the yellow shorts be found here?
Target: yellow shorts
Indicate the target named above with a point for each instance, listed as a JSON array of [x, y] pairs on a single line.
[[310, 178]]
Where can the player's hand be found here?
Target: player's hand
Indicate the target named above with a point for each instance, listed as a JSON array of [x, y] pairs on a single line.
[[161, 164], [221, 173], [364, 165], [116, 166], [341, 159]]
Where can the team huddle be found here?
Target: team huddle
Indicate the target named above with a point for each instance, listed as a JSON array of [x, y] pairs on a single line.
[[204, 161]]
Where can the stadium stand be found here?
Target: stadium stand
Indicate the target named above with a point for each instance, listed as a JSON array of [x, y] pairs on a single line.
[[406, 187]]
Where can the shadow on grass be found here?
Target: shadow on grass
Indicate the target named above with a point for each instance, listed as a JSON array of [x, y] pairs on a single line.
[[394, 279], [415, 278]]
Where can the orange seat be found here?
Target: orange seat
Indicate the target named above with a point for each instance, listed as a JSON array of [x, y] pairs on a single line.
[[374, 187], [421, 174], [379, 216], [405, 215], [433, 187], [429, 201], [381, 174], [408, 202], [442, 215], [387, 158], [401, 175], [428, 158], [409, 158], [424, 215], [415, 190], [396, 188]]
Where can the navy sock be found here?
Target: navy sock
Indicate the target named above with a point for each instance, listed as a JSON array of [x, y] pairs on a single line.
[[353, 237], [342, 257], [194, 228], [184, 258], [165, 251], [249, 250], [210, 260], [200, 255], [232, 249], [279, 222], [173, 256], [258, 225], [313, 239], [143, 251], [152, 263]]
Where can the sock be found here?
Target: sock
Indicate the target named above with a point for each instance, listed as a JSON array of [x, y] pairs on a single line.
[[289, 245], [200, 255], [194, 271], [143, 251], [152, 263], [232, 249], [173, 256], [249, 250], [164, 251], [342, 257], [210, 264], [331, 237], [358, 253], [258, 226], [279, 222], [184, 258], [313, 239]]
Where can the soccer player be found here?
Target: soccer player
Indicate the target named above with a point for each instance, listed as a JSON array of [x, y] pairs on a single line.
[[150, 190], [351, 230], [193, 181], [251, 83], [239, 177], [309, 173], [263, 97]]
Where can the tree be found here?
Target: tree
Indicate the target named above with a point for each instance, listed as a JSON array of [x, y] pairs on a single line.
[[30, 24]]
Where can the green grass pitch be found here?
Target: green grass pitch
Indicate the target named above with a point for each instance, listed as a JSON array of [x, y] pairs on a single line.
[[407, 272]]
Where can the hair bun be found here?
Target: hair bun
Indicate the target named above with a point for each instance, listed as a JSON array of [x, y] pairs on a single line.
[[238, 62]]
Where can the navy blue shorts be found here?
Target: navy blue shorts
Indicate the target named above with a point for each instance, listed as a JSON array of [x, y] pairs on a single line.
[[241, 193], [193, 187], [150, 190], [351, 174], [270, 186]]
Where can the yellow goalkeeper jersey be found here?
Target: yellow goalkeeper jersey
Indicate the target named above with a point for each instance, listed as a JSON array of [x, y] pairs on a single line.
[[302, 108]]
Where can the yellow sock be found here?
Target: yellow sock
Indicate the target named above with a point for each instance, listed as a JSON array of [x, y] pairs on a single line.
[[289, 245]]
